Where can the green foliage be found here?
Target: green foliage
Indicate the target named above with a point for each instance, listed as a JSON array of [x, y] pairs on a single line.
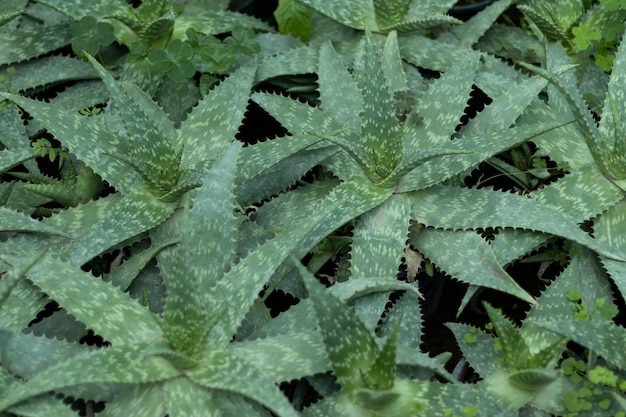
[[388, 150]]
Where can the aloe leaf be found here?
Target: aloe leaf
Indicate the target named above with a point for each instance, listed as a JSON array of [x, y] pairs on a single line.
[[50, 70], [382, 373], [295, 60], [583, 274], [213, 123], [152, 402], [390, 12], [31, 42], [478, 266], [43, 406], [27, 355], [258, 267], [613, 121], [184, 398], [505, 108], [602, 336], [125, 319], [382, 231], [350, 345], [85, 138], [480, 208], [580, 109], [274, 165], [223, 371], [582, 194], [10, 158], [471, 152], [81, 8], [286, 357], [421, 23], [23, 303], [123, 364], [146, 142], [208, 232], [378, 118], [428, 125], [345, 103], [514, 348], [12, 277], [471, 31], [357, 14], [297, 117], [11, 220], [130, 216]]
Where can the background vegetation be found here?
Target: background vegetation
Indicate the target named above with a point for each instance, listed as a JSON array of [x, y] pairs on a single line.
[[347, 208]]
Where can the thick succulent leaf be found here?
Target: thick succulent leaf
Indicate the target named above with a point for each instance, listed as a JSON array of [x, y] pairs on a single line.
[[481, 208], [130, 216], [467, 257], [50, 70], [471, 31], [339, 93], [26, 355], [206, 251], [301, 60], [221, 370], [357, 14], [184, 398], [393, 67], [84, 137], [10, 158], [477, 347], [613, 121], [23, 303], [273, 166], [81, 8], [123, 364], [407, 310], [581, 194], [213, 123], [343, 204], [506, 108], [152, 402], [261, 264], [421, 23], [471, 152], [43, 406], [215, 22], [439, 110], [12, 277], [102, 307], [380, 131], [32, 41], [382, 373], [390, 12], [293, 207], [350, 345], [146, 142], [378, 243], [598, 147], [582, 274], [297, 117], [11, 220], [514, 348], [602, 336], [286, 357]]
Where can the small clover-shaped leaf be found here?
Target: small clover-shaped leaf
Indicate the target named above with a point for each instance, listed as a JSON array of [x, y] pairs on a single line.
[[175, 61], [243, 41], [584, 36], [217, 56], [89, 35]]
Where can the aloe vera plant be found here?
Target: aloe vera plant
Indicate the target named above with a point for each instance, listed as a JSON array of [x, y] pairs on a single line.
[[175, 363], [392, 167], [190, 235]]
